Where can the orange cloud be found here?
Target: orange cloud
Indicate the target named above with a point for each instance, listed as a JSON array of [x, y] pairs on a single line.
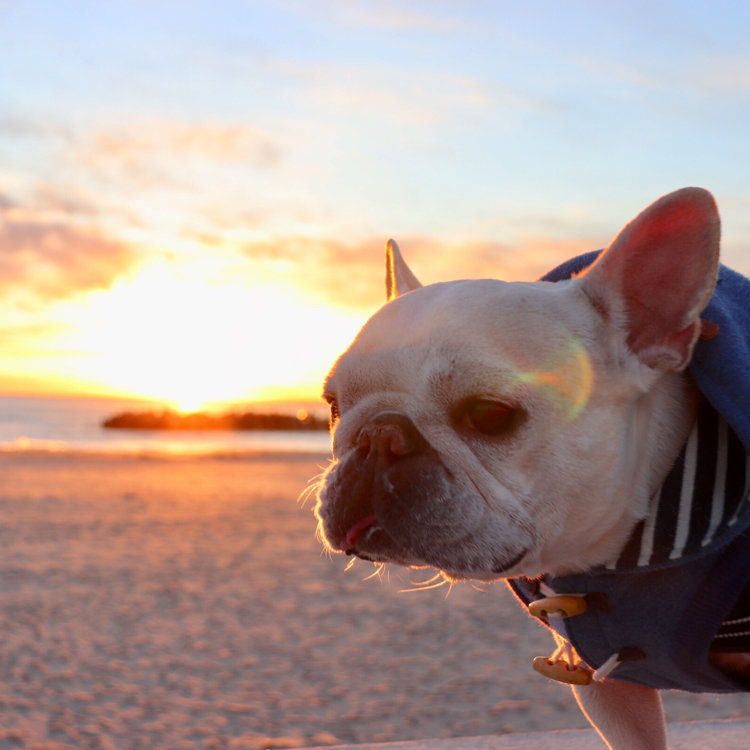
[[353, 275], [65, 201], [50, 260]]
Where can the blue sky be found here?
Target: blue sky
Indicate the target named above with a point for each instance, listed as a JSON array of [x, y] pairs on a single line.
[[276, 145]]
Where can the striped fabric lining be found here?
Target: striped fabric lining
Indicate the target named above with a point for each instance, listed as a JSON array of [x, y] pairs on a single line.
[[702, 496]]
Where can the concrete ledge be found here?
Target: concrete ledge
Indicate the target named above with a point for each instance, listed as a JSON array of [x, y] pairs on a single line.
[[727, 735]]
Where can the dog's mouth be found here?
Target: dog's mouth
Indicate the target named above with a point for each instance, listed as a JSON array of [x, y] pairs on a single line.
[[355, 542], [509, 564], [357, 532], [368, 540]]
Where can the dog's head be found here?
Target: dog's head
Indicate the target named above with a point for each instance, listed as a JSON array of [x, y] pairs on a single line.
[[489, 429]]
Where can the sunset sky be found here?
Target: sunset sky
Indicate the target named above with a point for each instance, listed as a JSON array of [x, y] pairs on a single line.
[[195, 196]]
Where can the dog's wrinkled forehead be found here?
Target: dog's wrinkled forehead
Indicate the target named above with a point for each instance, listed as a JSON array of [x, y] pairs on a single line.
[[442, 333], [452, 309]]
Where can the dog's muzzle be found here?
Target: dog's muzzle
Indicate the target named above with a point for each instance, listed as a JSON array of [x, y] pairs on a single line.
[[388, 454], [391, 498], [381, 443]]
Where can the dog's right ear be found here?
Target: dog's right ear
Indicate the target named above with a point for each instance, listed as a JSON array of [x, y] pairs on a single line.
[[398, 276], [657, 276]]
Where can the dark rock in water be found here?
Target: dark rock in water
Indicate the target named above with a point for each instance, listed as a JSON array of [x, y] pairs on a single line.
[[171, 420]]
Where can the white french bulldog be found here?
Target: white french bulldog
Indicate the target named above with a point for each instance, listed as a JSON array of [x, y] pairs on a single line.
[[495, 430]]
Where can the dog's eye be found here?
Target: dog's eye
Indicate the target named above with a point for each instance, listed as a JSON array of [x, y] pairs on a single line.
[[488, 417], [335, 415]]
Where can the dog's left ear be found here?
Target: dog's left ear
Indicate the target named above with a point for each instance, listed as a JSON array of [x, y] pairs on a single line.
[[659, 273], [398, 276]]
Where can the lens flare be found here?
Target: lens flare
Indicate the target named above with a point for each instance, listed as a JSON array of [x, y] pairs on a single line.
[[567, 380]]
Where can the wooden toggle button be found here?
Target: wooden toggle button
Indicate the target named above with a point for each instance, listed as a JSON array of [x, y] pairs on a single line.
[[561, 671], [558, 606]]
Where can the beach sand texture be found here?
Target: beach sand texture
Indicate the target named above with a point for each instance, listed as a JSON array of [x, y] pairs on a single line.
[[185, 603]]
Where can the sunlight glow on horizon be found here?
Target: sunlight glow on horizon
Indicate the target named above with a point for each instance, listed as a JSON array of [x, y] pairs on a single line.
[[169, 335]]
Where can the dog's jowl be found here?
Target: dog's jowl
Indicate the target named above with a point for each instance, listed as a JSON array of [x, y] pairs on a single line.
[[586, 438]]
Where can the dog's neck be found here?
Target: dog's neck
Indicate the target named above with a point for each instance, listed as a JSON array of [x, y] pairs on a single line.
[[659, 425]]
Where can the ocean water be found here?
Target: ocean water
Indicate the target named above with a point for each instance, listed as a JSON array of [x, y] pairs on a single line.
[[73, 426]]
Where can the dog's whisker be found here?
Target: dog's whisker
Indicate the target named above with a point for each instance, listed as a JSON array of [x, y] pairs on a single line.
[[435, 582], [428, 582], [350, 564], [415, 589], [450, 588], [315, 479], [311, 488], [377, 573]]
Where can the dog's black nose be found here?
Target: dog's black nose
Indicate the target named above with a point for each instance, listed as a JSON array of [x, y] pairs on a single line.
[[390, 436]]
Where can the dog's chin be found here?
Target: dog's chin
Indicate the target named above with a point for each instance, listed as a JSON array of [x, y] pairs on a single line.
[[373, 543], [504, 569], [472, 573]]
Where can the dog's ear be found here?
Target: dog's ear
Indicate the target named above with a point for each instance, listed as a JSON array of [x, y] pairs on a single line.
[[659, 273], [398, 276]]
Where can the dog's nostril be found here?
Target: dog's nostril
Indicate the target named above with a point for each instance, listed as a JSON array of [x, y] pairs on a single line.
[[385, 440], [395, 441], [390, 434], [364, 442]]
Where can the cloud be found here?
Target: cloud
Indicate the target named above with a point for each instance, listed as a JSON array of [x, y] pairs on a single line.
[[64, 201], [715, 74], [30, 339], [339, 274], [143, 138], [395, 18], [155, 151], [723, 76], [21, 126], [633, 73], [353, 275], [392, 16], [524, 259], [417, 99], [42, 260], [5, 203]]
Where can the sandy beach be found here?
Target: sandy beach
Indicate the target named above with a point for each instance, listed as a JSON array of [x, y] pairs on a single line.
[[185, 603]]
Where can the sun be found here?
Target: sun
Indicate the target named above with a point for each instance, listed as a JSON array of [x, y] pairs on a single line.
[[188, 341], [188, 404]]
